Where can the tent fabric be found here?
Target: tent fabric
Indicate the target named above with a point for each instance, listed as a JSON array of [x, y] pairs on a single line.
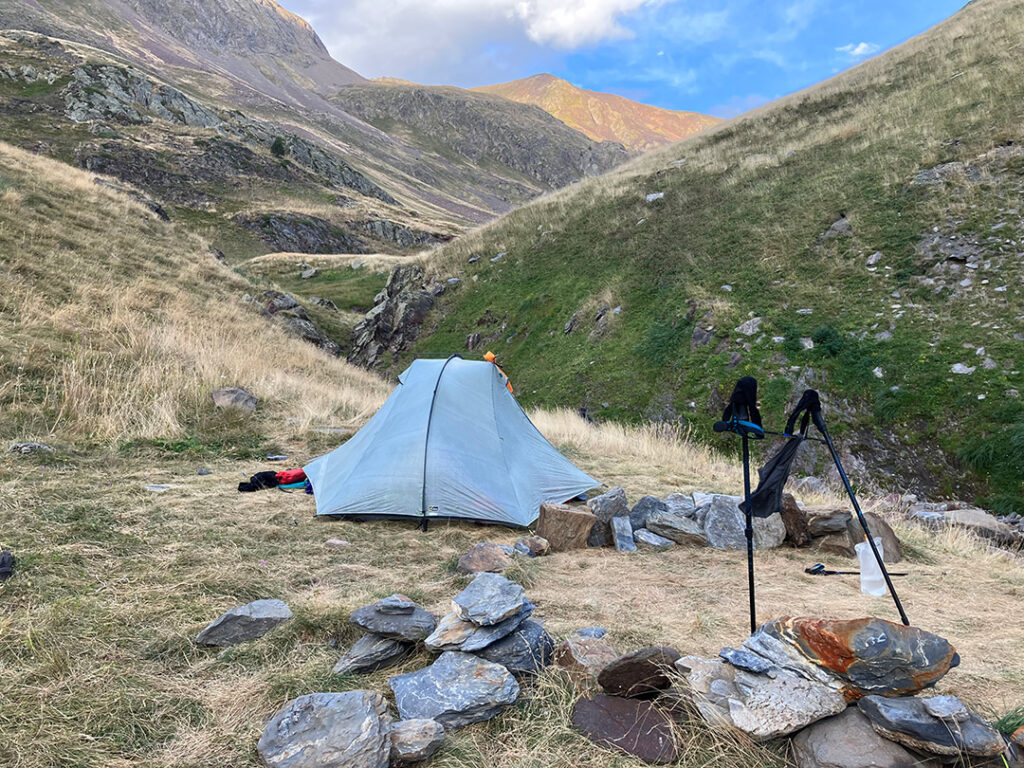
[[450, 442]]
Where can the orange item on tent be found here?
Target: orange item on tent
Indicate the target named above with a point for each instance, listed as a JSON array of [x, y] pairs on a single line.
[[490, 357]]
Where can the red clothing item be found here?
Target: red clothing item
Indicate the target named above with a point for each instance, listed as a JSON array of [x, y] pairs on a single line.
[[289, 476]]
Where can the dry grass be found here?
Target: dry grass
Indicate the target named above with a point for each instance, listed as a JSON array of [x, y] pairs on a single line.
[[376, 261]]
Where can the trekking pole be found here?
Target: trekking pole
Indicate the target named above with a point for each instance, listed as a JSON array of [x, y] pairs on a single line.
[[819, 422], [749, 532]]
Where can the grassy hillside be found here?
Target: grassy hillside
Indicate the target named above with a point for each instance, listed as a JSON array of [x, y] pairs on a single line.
[[915, 156]]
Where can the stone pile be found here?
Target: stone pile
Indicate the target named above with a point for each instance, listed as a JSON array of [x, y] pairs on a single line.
[[832, 530], [1007, 532]]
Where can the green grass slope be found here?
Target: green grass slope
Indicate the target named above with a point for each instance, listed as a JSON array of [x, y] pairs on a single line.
[[749, 205]]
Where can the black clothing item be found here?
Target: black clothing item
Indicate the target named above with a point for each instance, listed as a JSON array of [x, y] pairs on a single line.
[[6, 565], [742, 407], [259, 482]]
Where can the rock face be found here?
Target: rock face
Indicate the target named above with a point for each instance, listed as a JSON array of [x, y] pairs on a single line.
[[413, 741], [848, 741], [484, 557], [605, 507], [244, 623], [456, 634], [396, 617], [489, 599], [908, 722], [725, 524], [642, 510], [632, 726], [328, 730], [764, 706], [645, 672], [456, 690], [646, 539], [371, 652], [525, 651], [236, 398], [681, 529], [858, 657], [394, 322], [622, 534], [296, 233], [585, 654], [565, 527]]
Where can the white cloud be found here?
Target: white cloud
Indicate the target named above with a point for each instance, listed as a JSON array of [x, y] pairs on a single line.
[[859, 50], [571, 24]]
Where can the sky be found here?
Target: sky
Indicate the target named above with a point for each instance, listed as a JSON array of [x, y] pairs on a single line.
[[721, 58]]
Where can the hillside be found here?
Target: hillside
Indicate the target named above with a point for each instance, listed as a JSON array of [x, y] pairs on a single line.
[[863, 237], [604, 116]]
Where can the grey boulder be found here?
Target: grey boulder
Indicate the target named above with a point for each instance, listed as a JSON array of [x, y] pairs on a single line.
[[646, 539], [235, 398], [907, 721], [456, 690], [605, 507], [244, 623], [848, 741], [725, 524], [489, 599], [622, 534], [371, 652], [525, 651], [328, 730], [413, 741], [391, 618], [677, 527], [642, 510]]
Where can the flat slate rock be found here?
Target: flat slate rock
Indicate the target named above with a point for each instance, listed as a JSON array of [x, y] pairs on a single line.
[[645, 672], [244, 623], [678, 527], [725, 527], [583, 654], [622, 534], [376, 618], [525, 651], [746, 660], [413, 741], [371, 652], [629, 725], [456, 634], [489, 599], [646, 539], [396, 605], [859, 657], [848, 741], [483, 557], [456, 690], [328, 730], [643, 509], [906, 721]]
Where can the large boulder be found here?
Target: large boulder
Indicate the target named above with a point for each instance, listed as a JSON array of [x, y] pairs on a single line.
[[646, 539], [848, 741], [642, 510], [629, 725], [525, 651], [981, 523], [235, 398], [908, 721], [857, 657], [244, 623], [483, 557], [622, 535], [725, 526], [328, 730], [454, 633], [795, 521], [605, 507], [456, 690], [585, 654], [489, 599], [565, 527], [395, 617], [892, 550], [371, 652], [765, 706], [822, 521], [413, 741], [641, 673], [678, 527]]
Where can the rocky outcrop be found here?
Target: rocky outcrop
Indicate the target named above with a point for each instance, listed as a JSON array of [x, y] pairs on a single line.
[[394, 322], [401, 235], [284, 231]]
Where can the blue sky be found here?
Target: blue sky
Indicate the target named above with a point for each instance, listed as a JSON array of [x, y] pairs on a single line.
[[719, 57]]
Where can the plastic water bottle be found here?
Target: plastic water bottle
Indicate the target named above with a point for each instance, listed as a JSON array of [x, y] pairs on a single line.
[[871, 580]]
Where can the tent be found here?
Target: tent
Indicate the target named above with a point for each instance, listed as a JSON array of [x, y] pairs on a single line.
[[450, 442]]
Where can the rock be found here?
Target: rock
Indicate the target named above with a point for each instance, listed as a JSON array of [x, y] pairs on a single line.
[[646, 539], [848, 741], [394, 321], [681, 504], [328, 730], [750, 327], [948, 708], [840, 228], [317, 301], [413, 741], [837, 544], [906, 721], [337, 544], [858, 657], [484, 557], [157, 488], [605, 507], [747, 661], [456, 634], [308, 332], [203, 472], [456, 690], [236, 398], [797, 534], [725, 524], [585, 655], [489, 599], [654, 196], [825, 520], [30, 447], [641, 673], [677, 527], [643, 509], [622, 535], [244, 623], [960, 368], [874, 258], [981, 523], [597, 632], [565, 527], [632, 726], [309, 273], [379, 619], [526, 650], [762, 706], [371, 652], [532, 546], [892, 550]]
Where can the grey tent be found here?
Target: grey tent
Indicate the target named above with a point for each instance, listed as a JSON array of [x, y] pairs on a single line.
[[450, 442]]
